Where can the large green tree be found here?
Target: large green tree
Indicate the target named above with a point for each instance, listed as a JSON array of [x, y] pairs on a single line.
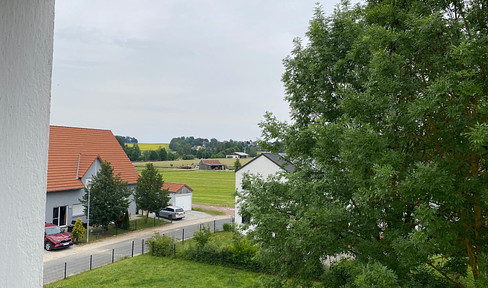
[[389, 136], [109, 196], [149, 194]]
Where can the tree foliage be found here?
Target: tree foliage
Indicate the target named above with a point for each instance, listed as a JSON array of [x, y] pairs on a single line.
[[149, 194], [389, 138], [78, 231], [108, 196]]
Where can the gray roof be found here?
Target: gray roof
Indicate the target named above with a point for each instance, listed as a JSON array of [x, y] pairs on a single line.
[[279, 159]]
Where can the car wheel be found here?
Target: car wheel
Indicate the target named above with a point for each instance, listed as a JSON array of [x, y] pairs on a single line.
[[48, 246]]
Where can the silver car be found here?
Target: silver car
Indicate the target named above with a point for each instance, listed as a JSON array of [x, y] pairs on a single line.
[[172, 212]]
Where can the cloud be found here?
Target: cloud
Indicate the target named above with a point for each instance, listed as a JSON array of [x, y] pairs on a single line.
[[162, 69]]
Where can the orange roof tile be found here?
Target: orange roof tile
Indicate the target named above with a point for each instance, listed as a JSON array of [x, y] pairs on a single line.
[[65, 146], [174, 187]]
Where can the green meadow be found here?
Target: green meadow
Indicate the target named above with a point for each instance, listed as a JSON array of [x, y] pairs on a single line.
[[209, 187], [147, 271]]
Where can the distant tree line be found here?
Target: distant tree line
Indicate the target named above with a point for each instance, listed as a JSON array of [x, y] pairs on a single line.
[[191, 147], [128, 139]]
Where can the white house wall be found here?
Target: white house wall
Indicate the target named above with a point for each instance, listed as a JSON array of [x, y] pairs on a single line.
[[26, 42], [259, 166]]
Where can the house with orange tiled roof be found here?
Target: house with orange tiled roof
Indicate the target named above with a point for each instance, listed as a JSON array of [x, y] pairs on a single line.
[[180, 195], [75, 156], [211, 165]]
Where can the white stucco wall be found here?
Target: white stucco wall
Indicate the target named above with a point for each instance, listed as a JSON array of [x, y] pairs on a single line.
[[26, 41], [260, 166]]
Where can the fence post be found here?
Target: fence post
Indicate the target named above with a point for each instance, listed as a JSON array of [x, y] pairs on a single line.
[[132, 255], [154, 220], [152, 250], [174, 249], [198, 250], [214, 226], [142, 246], [113, 255], [136, 224], [183, 236], [65, 268], [91, 261], [116, 230]]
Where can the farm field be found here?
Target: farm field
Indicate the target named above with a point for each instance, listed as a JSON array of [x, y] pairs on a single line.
[[209, 187], [147, 271], [150, 146], [229, 162]]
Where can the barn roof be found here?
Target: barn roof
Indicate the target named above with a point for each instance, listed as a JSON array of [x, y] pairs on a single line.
[[212, 162], [73, 150]]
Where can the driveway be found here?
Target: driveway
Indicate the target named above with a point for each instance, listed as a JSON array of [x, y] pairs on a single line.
[[79, 258]]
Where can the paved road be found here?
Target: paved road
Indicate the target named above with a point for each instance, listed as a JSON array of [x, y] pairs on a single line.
[[79, 258]]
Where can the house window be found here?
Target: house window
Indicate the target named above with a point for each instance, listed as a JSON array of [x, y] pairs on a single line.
[[59, 215]]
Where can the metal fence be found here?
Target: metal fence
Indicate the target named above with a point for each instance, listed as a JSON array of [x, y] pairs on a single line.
[[60, 269]]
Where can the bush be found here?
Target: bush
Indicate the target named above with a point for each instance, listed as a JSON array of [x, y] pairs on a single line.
[[78, 231], [125, 222], [229, 227], [188, 157], [160, 245], [202, 236]]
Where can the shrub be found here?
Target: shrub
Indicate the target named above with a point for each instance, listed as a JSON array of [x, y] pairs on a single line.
[[78, 231], [242, 251], [160, 245], [202, 237], [125, 222], [229, 227]]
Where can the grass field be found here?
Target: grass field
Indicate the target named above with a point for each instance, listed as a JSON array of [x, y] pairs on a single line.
[[147, 271], [150, 146], [209, 187]]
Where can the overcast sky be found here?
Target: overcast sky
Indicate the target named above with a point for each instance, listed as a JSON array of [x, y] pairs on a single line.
[[156, 70]]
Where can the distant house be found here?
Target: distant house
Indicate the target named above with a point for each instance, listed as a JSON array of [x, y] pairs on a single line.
[[211, 165], [75, 156], [265, 164], [180, 195], [237, 155]]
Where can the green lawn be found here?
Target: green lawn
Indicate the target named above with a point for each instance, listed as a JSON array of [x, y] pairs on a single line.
[[147, 271], [209, 187]]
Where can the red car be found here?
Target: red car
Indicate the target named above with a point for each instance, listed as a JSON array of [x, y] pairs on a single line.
[[55, 237]]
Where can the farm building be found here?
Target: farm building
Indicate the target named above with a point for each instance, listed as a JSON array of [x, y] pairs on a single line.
[[211, 165], [265, 164], [237, 155], [75, 156], [180, 195]]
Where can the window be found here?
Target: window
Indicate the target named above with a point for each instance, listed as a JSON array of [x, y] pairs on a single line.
[[59, 215], [78, 210]]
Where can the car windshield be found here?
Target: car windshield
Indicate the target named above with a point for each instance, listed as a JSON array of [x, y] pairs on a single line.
[[179, 210], [53, 230]]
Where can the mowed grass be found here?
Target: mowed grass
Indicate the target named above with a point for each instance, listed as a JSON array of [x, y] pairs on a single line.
[[209, 187], [150, 146], [147, 271]]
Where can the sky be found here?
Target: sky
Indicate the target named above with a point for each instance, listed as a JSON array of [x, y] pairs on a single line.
[[156, 70]]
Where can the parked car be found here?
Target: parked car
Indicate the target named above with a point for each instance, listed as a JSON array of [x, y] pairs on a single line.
[[172, 212], [55, 237]]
